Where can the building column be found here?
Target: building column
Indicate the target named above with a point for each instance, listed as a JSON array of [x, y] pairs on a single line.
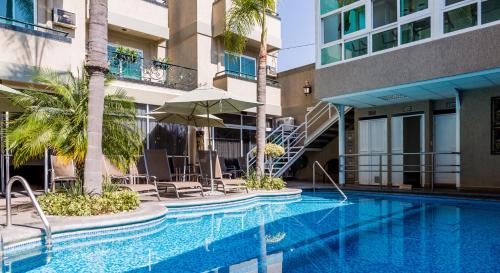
[[457, 136], [341, 111]]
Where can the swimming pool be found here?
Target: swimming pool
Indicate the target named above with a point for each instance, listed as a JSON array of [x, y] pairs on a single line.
[[314, 232]]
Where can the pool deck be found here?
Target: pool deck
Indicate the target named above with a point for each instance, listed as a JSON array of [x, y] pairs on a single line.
[[27, 225]]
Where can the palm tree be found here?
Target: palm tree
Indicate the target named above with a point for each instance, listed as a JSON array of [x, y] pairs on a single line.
[[243, 16], [97, 68], [58, 119]]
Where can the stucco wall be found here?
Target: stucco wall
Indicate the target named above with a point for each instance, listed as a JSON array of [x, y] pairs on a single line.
[[480, 169], [458, 54]]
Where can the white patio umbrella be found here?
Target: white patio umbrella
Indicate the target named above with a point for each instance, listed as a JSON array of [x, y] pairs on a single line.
[[207, 100]]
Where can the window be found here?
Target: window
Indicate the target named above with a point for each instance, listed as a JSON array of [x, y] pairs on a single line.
[[239, 65], [385, 39], [495, 125], [21, 10], [354, 20], [331, 54], [460, 18], [329, 5], [356, 48], [123, 68], [412, 6], [384, 12], [451, 2], [332, 28], [416, 31], [490, 11]]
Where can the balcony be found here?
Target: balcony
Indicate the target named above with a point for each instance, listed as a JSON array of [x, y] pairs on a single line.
[[245, 86], [154, 73], [220, 7], [142, 18], [26, 46]]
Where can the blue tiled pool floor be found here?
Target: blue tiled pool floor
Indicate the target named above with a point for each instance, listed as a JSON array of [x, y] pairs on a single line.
[[313, 233]]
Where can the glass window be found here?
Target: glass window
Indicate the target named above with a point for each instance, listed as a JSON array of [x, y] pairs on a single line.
[[21, 10], [329, 5], [384, 12], [232, 63], [348, 2], [385, 39], [356, 48], [490, 11], [460, 18], [411, 6], [354, 20], [124, 68], [450, 2], [416, 31], [332, 28], [331, 54], [248, 67]]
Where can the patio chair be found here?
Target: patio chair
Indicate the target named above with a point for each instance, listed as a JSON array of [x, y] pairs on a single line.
[[182, 172], [62, 171], [131, 181], [222, 179], [159, 170]]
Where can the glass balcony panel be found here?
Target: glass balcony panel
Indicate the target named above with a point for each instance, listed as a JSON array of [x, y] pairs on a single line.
[[416, 31], [385, 39], [460, 18]]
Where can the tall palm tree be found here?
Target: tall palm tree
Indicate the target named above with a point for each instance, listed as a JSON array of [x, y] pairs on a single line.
[[97, 67], [58, 119], [241, 18]]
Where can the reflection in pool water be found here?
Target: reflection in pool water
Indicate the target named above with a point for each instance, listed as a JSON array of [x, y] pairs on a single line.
[[314, 233]]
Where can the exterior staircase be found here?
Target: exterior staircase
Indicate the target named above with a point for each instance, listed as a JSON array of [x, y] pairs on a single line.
[[312, 135]]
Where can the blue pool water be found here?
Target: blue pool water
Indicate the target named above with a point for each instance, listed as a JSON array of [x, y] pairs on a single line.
[[312, 233]]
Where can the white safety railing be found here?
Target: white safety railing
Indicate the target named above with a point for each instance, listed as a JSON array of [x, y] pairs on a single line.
[[316, 163]]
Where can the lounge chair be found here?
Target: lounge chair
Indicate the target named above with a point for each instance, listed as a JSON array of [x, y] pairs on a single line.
[[222, 179], [62, 171], [131, 181], [158, 169]]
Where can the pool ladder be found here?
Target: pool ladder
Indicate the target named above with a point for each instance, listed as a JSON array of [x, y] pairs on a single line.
[[316, 163], [46, 224]]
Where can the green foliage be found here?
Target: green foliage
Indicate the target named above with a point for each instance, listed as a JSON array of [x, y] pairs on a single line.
[[164, 60], [57, 119], [65, 204], [243, 16], [265, 182], [272, 150], [127, 54]]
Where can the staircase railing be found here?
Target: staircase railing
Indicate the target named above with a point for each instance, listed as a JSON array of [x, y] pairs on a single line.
[[46, 224]]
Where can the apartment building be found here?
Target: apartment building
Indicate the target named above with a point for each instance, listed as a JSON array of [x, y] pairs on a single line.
[[178, 47], [422, 78]]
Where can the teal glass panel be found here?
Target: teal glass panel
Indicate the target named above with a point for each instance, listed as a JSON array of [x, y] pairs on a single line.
[[329, 5], [332, 29], [23, 10], [348, 2], [460, 18], [416, 31], [248, 68], [490, 11], [331, 54], [354, 20], [125, 69], [356, 48], [232, 64], [412, 6], [3, 8], [384, 12], [385, 39]]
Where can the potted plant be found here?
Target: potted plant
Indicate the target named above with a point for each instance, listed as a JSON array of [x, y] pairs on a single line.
[[161, 63], [126, 54]]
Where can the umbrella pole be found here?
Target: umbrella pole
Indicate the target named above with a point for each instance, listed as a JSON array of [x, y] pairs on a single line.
[[210, 152]]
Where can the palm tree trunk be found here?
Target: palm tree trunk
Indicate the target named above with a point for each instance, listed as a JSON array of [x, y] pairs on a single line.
[[97, 67], [261, 97]]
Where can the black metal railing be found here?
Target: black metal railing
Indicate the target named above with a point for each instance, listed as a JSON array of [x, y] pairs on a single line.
[[241, 75], [153, 72], [32, 27]]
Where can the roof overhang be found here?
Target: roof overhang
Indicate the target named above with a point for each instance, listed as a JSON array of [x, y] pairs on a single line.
[[435, 89]]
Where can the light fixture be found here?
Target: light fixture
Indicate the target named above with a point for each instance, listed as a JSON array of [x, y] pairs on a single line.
[[307, 88]]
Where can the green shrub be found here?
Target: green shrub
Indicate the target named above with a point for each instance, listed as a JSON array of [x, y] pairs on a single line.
[[266, 182], [67, 204]]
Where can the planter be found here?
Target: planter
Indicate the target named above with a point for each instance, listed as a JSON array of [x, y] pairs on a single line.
[[160, 65]]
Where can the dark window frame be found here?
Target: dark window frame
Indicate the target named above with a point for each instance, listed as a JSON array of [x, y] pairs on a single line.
[[495, 101]]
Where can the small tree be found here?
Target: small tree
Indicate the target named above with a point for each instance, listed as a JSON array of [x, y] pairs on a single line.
[[58, 120], [271, 151]]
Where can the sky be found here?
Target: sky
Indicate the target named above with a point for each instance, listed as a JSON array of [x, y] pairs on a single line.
[[297, 28]]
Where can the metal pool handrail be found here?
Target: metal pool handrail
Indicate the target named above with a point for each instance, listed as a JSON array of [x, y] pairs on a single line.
[[316, 163], [46, 224]]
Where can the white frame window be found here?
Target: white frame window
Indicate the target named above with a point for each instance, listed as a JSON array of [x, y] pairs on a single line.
[[435, 10]]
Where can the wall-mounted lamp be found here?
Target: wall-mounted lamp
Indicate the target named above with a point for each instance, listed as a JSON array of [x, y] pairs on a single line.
[[307, 88]]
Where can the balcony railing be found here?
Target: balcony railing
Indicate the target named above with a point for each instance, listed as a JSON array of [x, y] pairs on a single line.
[[34, 29], [249, 77], [153, 73]]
